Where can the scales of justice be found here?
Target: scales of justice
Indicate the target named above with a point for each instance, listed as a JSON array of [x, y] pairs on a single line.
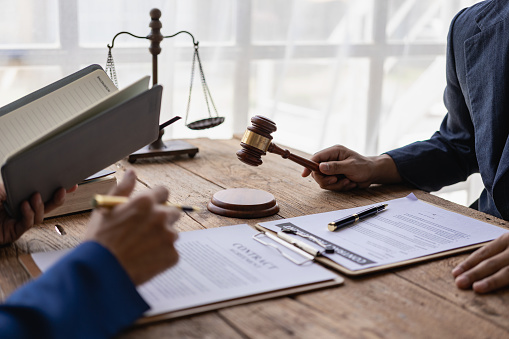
[[169, 147], [257, 141]]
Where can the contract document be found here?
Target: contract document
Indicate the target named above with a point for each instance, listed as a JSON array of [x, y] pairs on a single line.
[[408, 229], [219, 265]]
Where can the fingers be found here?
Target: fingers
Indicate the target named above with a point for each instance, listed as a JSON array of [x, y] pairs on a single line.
[[345, 167], [3, 195], [147, 199], [305, 172], [145, 203], [340, 168], [498, 280], [173, 254], [139, 233], [332, 153], [481, 254], [172, 215], [32, 212], [57, 200], [27, 219], [154, 224], [126, 185], [37, 206], [487, 276], [160, 194], [150, 204], [334, 182], [487, 269], [72, 189], [330, 168]]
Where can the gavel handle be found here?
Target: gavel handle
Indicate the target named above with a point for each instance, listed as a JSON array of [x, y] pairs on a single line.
[[286, 154]]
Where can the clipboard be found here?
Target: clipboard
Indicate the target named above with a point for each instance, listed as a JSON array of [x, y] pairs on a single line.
[[28, 263], [326, 278], [301, 236], [327, 262]]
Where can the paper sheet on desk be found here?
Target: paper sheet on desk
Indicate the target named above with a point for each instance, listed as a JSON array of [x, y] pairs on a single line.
[[225, 265], [215, 265], [407, 229]]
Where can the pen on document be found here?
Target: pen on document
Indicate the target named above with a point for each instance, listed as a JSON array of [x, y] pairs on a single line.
[[352, 219], [110, 201]]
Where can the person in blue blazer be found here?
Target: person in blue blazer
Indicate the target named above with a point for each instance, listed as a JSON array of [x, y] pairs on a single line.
[[91, 292], [473, 137]]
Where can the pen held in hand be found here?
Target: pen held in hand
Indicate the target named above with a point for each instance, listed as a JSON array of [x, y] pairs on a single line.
[[354, 218], [111, 201]]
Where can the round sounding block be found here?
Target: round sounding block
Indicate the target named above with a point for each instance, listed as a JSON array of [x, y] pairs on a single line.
[[243, 203]]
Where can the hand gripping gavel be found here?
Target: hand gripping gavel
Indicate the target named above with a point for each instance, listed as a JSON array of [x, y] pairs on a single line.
[[257, 141]]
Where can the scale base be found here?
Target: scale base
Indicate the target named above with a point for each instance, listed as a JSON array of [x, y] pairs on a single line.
[[245, 203], [164, 148]]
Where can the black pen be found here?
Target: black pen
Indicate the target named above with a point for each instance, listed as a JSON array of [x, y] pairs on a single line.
[[352, 219]]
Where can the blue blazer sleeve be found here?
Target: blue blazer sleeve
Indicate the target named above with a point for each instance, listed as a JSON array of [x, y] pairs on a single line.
[[87, 294]]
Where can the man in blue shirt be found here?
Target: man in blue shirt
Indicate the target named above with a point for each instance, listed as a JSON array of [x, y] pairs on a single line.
[[473, 137], [91, 292]]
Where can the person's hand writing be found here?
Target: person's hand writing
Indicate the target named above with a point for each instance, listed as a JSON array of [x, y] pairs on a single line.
[[32, 213], [487, 269], [343, 169], [139, 233]]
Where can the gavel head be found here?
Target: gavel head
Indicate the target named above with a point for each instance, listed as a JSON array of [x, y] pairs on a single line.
[[256, 140]]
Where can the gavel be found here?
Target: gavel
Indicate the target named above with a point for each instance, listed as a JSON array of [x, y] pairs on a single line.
[[257, 141]]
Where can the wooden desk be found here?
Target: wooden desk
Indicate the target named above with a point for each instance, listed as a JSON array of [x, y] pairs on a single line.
[[419, 301]]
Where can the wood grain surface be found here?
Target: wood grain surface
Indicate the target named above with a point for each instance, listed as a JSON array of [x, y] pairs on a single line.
[[418, 301]]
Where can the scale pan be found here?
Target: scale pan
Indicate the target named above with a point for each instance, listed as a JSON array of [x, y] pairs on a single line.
[[206, 123]]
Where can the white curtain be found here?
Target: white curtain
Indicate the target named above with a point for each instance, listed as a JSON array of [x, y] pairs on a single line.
[[368, 74]]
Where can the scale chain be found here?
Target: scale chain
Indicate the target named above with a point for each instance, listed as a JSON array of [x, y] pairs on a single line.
[[110, 68]]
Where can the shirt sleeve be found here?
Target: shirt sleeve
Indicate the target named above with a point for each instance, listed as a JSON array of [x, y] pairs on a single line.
[[449, 156], [87, 294]]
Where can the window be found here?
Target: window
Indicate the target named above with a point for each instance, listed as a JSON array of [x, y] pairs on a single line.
[[368, 74]]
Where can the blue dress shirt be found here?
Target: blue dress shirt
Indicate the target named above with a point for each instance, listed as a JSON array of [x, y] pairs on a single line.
[[474, 135]]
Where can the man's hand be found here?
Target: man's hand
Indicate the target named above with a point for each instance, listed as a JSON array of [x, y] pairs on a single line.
[[487, 269], [139, 233], [32, 213], [343, 169]]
